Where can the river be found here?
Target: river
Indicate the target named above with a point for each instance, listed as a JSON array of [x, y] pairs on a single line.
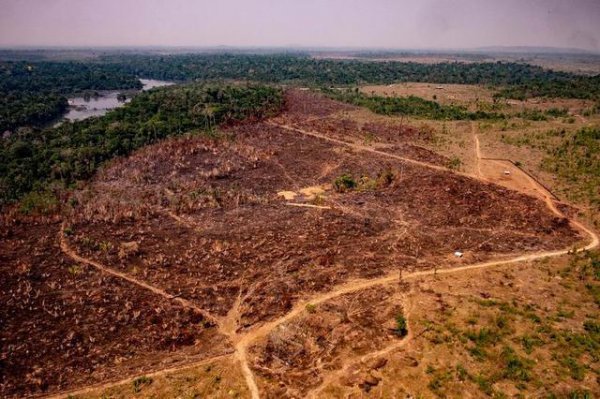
[[83, 107]]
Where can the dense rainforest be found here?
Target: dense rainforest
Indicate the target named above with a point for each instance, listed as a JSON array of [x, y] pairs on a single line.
[[519, 80], [32, 159], [34, 93]]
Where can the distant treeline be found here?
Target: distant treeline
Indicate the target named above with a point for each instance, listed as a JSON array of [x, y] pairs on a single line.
[[36, 89], [34, 159], [34, 93], [516, 80]]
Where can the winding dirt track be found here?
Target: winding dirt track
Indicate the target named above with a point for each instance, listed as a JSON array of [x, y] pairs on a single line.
[[153, 374], [64, 246], [241, 341]]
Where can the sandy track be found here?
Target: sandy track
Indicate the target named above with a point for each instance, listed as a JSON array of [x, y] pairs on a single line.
[[128, 380], [242, 341], [334, 375], [363, 148], [64, 246]]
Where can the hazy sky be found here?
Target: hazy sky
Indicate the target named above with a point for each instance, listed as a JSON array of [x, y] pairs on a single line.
[[353, 23]]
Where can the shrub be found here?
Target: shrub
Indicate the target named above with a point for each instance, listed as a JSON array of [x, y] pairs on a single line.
[[401, 326], [311, 308], [38, 203], [344, 183], [385, 177], [454, 163], [140, 382]]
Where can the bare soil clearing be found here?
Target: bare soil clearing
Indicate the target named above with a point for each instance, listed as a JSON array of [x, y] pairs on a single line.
[[200, 224]]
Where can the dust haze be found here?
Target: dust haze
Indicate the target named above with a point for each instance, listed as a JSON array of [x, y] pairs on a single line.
[[431, 24]]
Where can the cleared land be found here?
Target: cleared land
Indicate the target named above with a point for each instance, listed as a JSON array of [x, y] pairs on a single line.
[[475, 97], [188, 252]]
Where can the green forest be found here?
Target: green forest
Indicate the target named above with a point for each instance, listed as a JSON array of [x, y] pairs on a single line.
[[33, 159], [516, 79], [34, 93]]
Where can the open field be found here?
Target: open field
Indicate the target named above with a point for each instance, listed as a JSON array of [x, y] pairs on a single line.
[[279, 259], [581, 64], [475, 97]]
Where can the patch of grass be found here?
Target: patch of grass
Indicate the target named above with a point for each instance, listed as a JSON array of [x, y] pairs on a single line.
[[563, 314], [592, 326], [486, 302], [579, 394], [478, 352], [409, 106], [454, 163], [483, 337], [365, 183], [594, 290], [318, 200], [311, 308], [576, 161], [530, 342], [140, 383], [502, 323], [368, 138], [473, 319], [105, 246], [461, 373], [586, 265], [484, 384], [576, 370], [438, 381], [74, 270], [385, 177], [89, 243], [516, 368]]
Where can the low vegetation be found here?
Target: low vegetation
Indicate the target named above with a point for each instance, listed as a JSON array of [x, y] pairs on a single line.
[[401, 326], [576, 160], [408, 106], [502, 343], [344, 183]]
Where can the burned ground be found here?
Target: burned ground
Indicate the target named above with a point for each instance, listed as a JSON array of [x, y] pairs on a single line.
[[202, 219], [64, 324], [242, 237]]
